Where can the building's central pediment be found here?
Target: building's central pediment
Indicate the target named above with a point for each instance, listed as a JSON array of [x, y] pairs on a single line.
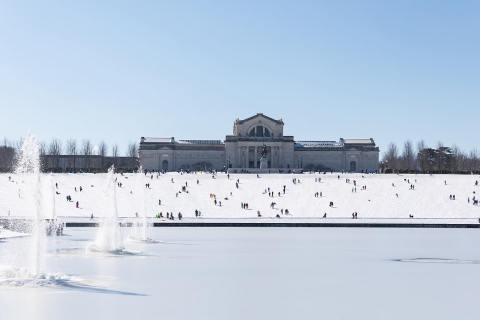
[[258, 125], [260, 116]]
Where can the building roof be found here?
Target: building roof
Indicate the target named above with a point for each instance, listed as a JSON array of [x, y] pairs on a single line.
[[358, 141], [259, 115], [172, 140], [207, 142], [157, 140], [317, 144]]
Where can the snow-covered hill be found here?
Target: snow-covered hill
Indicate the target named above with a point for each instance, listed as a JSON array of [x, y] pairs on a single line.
[[430, 197]]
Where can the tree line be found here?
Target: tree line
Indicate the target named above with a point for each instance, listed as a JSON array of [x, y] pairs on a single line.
[[56, 149], [425, 159]]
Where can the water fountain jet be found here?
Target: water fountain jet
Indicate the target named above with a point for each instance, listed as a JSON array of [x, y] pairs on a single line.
[[109, 236], [141, 222], [30, 268], [28, 166]]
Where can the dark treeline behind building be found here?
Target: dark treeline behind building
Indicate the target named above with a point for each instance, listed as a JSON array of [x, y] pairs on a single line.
[[424, 159], [73, 157]]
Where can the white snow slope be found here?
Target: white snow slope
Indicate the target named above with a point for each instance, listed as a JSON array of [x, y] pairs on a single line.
[[430, 199]]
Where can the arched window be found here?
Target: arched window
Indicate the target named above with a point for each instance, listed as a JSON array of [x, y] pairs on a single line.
[[164, 165], [259, 131]]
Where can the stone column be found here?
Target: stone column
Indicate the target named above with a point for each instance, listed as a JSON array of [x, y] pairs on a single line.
[[281, 163], [270, 156]]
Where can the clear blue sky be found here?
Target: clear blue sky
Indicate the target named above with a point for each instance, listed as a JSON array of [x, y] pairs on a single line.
[[118, 70]]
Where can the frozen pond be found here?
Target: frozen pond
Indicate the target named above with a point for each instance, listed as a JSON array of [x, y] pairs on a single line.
[[259, 273]]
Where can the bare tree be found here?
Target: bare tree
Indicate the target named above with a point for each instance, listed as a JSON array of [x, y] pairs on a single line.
[[102, 149], [115, 151], [440, 160], [474, 161], [72, 150], [54, 150], [86, 147], [408, 156], [421, 145], [42, 148], [87, 152], [132, 151], [72, 147], [421, 160], [55, 147], [460, 163], [391, 156], [115, 154]]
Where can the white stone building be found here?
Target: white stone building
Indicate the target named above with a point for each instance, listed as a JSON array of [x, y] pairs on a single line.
[[241, 151]]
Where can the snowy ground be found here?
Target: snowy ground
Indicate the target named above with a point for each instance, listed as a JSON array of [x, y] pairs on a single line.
[[429, 200], [5, 234]]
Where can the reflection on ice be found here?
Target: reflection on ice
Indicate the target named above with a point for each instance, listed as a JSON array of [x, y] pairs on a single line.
[[18, 277], [438, 260], [141, 240], [93, 248]]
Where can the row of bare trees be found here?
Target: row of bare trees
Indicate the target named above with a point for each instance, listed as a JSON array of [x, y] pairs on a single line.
[[423, 158], [86, 148], [56, 148]]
